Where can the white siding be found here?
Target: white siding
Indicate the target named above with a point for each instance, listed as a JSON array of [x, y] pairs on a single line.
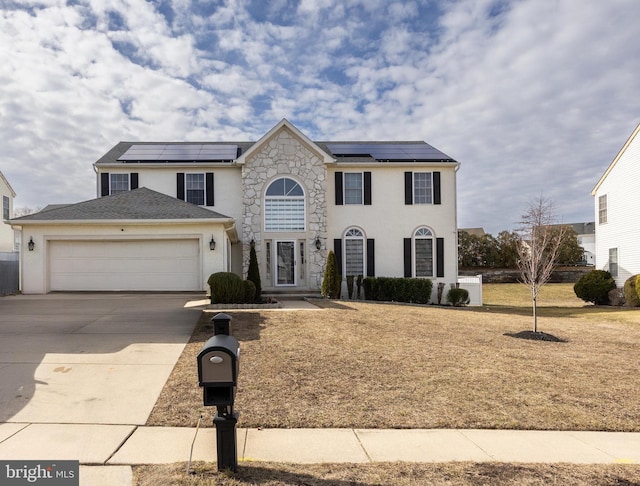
[[622, 229]]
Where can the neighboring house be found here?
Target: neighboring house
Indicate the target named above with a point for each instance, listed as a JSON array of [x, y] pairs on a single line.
[[586, 234], [617, 203], [170, 214], [7, 238]]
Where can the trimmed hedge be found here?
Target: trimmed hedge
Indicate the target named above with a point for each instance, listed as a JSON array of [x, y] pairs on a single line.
[[458, 297], [226, 288], [390, 289], [595, 286], [632, 291]]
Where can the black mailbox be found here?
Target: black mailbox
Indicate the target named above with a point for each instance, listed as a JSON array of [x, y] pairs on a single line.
[[218, 366]]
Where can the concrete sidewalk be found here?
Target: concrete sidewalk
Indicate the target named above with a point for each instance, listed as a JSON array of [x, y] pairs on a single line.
[[107, 451]]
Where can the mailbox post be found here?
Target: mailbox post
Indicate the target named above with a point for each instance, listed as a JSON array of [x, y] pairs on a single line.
[[218, 366]]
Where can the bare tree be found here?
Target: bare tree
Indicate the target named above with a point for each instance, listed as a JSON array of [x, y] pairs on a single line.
[[24, 211], [539, 248]]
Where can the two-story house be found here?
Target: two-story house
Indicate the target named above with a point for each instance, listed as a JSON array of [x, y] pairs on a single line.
[[617, 199], [168, 215]]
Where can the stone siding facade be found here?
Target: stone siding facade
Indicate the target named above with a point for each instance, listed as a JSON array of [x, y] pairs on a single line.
[[285, 155]]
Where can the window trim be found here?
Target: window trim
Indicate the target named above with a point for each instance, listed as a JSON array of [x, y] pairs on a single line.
[[361, 236], [344, 189], [6, 207], [111, 182], [432, 237], [431, 191], [204, 187], [614, 260], [602, 209]]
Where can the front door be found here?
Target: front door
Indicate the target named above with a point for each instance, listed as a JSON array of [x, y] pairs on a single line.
[[286, 263]]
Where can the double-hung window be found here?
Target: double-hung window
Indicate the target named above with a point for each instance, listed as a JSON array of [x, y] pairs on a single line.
[[422, 188], [118, 183], [194, 188], [613, 262], [6, 213], [602, 209], [353, 188]]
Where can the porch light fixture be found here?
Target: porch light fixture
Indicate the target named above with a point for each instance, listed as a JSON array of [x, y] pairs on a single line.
[[252, 242], [31, 245], [318, 243], [212, 244]]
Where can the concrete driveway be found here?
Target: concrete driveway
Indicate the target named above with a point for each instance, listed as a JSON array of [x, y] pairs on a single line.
[[89, 358]]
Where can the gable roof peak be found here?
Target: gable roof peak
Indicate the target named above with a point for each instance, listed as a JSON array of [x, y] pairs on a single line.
[[285, 124]]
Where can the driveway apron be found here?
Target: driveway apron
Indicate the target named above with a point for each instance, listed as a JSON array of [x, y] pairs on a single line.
[[88, 358]]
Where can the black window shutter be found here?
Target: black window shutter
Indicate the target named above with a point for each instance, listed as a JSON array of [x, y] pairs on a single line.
[[407, 258], [104, 184], [209, 188], [367, 188], [408, 187], [439, 257], [371, 257], [339, 201], [134, 180], [180, 186], [436, 188], [337, 250]]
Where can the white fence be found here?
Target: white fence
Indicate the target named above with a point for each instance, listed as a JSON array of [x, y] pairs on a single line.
[[473, 285]]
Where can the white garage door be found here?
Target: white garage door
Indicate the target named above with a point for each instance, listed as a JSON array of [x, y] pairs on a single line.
[[124, 265]]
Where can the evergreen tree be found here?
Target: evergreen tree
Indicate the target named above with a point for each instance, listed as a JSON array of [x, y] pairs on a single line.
[[254, 273], [331, 282]]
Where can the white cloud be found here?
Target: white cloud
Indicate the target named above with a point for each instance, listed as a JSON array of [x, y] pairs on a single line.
[[532, 97]]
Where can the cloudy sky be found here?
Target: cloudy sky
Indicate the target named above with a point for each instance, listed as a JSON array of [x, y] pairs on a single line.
[[533, 97]]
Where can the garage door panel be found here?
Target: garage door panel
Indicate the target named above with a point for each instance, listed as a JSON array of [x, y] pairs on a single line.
[[125, 265]]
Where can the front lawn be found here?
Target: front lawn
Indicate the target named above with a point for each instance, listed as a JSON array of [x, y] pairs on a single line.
[[385, 366]]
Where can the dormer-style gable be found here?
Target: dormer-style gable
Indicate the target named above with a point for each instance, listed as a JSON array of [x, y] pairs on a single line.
[[272, 134]]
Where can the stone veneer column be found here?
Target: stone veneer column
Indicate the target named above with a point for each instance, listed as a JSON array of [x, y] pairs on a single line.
[[285, 155]]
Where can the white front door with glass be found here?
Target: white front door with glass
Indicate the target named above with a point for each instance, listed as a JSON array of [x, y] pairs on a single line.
[[285, 263]]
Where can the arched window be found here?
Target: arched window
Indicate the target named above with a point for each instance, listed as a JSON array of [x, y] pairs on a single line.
[[354, 252], [423, 252], [284, 208]]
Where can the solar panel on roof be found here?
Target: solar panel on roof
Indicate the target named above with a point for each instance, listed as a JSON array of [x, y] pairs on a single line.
[[389, 151], [182, 152]]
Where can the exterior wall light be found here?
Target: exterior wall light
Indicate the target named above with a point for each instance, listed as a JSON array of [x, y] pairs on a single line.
[[318, 243], [31, 245], [212, 244]]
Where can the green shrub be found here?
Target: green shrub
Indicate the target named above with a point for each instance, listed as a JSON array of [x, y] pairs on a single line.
[[226, 288], [370, 288], [458, 297], [631, 294], [331, 282], [253, 274], [350, 282], [391, 289], [249, 291], [595, 286]]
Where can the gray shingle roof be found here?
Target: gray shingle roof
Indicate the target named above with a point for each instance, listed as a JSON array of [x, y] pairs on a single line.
[[140, 204]]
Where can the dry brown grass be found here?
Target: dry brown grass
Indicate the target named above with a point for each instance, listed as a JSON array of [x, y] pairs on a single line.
[[400, 474], [397, 366]]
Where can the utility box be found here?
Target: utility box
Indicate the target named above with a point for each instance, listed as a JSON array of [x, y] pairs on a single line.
[[218, 367]]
